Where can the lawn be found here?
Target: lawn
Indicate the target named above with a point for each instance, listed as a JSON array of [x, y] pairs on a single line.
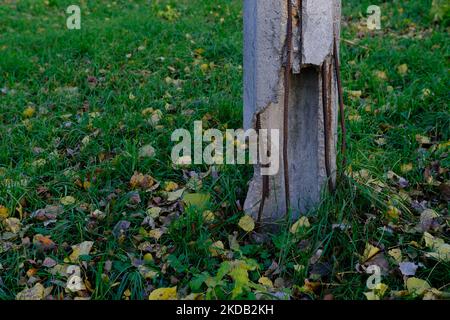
[[87, 184]]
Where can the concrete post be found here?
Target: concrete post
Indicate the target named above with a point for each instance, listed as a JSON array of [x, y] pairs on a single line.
[[290, 85]]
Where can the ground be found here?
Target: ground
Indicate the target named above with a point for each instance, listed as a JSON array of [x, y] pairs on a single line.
[[86, 180]]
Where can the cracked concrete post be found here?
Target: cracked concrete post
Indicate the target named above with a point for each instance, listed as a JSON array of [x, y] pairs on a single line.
[[312, 103]]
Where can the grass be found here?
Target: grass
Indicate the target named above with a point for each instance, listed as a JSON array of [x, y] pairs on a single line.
[[74, 115]]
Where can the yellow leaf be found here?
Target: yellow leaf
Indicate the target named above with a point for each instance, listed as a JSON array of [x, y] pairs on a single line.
[[426, 92], [393, 213], [164, 294], [29, 112], [381, 75], [154, 212], [127, 293], [170, 186], [199, 200], [155, 233], [422, 139], [402, 69], [417, 286], [204, 67], [355, 94], [396, 254], [371, 296], [67, 201], [81, 249], [370, 251], [208, 216], [405, 168], [199, 51], [86, 185], [303, 222], [247, 223], [147, 111], [148, 258], [299, 268], [378, 292], [4, 212], [440, 249], [12, 224], [265, 282], [216, 248]]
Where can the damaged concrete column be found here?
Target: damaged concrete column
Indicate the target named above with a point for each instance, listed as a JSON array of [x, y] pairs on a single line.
[[290, 85]]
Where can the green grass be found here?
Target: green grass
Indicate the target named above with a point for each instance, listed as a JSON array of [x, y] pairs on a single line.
[[132, 49]]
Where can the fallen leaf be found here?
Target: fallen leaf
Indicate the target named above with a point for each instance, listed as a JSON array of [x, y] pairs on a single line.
[[154, 212], [377, 293], [156, 233], [29, 112], [4, 212], [120, 228], [417, 286], [198, 200], [369, 252], [408, 268], [147, 151], [303, 222], [265, 282], [164, 294], [402, 69], [247, 223], [440, 249], [428, 220], [43, 243], [393, 213], [67, 201], [208, 216], [175, 195], [396, 254], [12, 224], [405, 168], [422, 139], [35, 293], [148, 258], [147, 273], [217, 248], [49, 262], [170, 186], [381, 75], [356, 94], [81, 249], [141, 181]]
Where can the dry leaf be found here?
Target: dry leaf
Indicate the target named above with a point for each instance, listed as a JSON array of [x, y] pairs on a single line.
[[247, 223], [81, 249], [147, 151], [12, 224], [67, 201], [217, 248], [402, 69], [175, 195], [35, 293], [4, 212]]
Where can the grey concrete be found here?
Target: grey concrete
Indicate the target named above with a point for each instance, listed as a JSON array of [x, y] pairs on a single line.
[[265, 24]]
